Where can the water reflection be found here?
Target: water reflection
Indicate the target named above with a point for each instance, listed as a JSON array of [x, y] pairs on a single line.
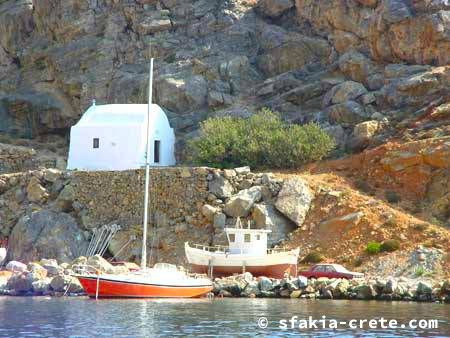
[[82, 317]]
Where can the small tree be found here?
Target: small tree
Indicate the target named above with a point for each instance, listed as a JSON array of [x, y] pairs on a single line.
[[262, 141]]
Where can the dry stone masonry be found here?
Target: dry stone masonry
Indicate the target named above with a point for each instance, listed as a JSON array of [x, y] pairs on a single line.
[[51, 213]]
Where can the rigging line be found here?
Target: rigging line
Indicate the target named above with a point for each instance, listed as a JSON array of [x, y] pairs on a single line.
[[131, 239], [91, 242], [153, 228], [106, 242], [99, 239], [112, 233]]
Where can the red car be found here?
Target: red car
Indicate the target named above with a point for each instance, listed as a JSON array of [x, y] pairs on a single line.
[[330, 271]]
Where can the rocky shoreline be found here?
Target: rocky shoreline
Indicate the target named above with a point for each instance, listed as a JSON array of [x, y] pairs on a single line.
[[390, 289], [48, 278]]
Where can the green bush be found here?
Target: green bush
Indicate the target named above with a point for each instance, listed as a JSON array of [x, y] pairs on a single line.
[[392, 196], [358, 262], [260, 141], [391, 221], [373, 248], [390, 245], [420, 226], [363, 186], [419, 271], [313, 257]]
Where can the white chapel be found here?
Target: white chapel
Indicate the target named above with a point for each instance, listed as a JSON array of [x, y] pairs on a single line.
[[113, 137]]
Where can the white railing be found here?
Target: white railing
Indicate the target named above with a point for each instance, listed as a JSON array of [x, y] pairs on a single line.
[[225, 248], [222, 248]]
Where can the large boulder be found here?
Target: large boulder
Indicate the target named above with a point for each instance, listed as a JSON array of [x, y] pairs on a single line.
[[65, 198], [52, 267], [41, 286], [209, 211], [346, 113], [46, 234], [358, 67], [240, 204], [101, 264], [52, 175], [266, 216], [265, 284], [20, 282], [348, 90], [219, 220], [220, 187], [294, 200], [286, 51], [15, 266], [364, 132], [63, 283], [182, 93], [365, 291], [35, 191], [36, 271]]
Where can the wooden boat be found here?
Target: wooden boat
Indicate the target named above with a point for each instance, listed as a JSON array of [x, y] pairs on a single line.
[[163, 280], [247, 251]]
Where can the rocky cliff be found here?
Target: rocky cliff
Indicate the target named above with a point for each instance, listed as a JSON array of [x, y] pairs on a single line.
[[362, 68]]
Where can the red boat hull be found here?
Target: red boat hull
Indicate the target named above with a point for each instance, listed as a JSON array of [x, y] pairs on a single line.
[[116, 289], [273, 271]]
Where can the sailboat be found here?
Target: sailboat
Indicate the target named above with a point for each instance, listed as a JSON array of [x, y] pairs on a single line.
[[162, 280]]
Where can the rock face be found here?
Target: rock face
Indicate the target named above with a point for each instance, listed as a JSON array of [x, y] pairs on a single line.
[[46, 234], [395, 29], [294, 200], [335, 62]]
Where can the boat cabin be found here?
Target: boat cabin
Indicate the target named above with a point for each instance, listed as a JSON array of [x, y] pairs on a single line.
[[247, 241]]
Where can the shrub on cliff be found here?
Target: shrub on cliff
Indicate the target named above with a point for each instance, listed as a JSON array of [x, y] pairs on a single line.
[[373, 248], [261, 141], [392, 196], [390, 245], [313, 257]]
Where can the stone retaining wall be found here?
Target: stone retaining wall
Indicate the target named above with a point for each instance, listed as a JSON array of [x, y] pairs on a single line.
[[118, 196], [16, 158]]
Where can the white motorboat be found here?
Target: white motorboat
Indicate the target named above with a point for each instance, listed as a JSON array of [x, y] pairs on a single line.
[[247, 251]]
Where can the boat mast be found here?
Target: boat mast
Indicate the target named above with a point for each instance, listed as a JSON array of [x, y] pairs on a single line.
[[147, 172]]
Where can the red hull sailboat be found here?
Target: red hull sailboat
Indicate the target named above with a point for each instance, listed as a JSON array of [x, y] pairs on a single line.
[[163, 280]]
